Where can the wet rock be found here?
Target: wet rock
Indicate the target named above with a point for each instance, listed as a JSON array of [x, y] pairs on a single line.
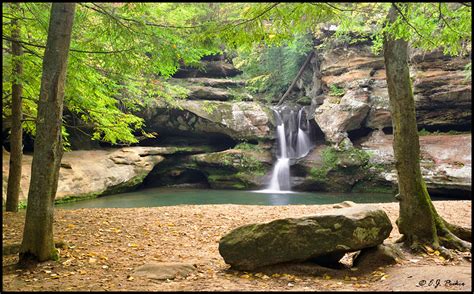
[[299, 239]]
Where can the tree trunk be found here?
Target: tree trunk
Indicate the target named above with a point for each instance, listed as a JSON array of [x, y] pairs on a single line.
[[419, 223], [300, 72], [16, 135], [37, 244]]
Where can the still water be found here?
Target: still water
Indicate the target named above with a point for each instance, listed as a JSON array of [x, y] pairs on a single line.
[[172, 196]]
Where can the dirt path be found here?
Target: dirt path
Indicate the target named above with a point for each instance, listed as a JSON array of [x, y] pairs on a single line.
[[104, 246]]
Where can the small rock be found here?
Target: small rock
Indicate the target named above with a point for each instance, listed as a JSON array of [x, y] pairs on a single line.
[[165, 270]]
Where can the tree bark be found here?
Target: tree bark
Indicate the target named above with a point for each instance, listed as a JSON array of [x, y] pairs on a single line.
[[37, 244], [419, 223], [16, 132]]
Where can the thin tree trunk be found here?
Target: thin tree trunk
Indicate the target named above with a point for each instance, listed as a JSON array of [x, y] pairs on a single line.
[[16, 135], [419, 223], [305, 64], [37, 244]]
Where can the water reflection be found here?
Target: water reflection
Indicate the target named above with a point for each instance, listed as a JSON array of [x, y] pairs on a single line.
[[167, 196], [278, 199]]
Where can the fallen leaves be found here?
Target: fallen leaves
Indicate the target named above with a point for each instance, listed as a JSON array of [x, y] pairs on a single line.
[[125, 238]]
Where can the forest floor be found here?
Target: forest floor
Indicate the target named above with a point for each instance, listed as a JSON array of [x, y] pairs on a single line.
[[103, 247]]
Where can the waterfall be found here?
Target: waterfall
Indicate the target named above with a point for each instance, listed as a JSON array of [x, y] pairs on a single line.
[[298, 145], [303, 144]]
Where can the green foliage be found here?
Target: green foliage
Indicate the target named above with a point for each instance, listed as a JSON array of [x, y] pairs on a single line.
[[334, 90], [247, 146], [329, 158], [468, 71], [121, 56], [271, 69], [209, 106], [22, 204]]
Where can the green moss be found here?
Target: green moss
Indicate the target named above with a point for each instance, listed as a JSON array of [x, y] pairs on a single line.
[[334, 90], [78, 197], [350, 161], [239, 186], [424, 132], [363, 235], [126, 186], [247, 146], [329, 157], [366, 186]]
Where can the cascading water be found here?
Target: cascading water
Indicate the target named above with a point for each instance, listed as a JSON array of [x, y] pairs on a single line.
[[298, 145], [303, 144]]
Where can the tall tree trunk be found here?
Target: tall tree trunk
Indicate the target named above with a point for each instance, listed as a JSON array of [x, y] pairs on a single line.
[[16, 135], [419, 223], [37, 244]]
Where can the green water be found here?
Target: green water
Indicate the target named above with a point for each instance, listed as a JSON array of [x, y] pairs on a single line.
[[168, 196]]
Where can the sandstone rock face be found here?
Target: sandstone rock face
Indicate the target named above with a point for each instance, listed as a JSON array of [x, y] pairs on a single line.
[[337, 117], [445, 160], [442, 94], [298, 239], [95, 172], [239, 120]]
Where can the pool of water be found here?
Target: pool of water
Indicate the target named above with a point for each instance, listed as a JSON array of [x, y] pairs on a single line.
[[168, 196]]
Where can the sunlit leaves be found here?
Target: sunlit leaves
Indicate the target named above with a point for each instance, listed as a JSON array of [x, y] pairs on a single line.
[[121, 54]]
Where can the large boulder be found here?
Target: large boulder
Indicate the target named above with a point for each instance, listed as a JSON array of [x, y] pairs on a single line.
[[338, 116], [298, 239]]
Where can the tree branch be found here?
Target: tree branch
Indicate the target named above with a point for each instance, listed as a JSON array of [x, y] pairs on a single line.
[[258, 16], [74, 50], [409, 24]]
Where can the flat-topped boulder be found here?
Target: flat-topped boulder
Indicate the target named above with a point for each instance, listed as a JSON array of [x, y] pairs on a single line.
[[333, 233]]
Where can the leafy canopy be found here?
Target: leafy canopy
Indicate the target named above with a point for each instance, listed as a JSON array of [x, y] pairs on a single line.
[[121, 55]]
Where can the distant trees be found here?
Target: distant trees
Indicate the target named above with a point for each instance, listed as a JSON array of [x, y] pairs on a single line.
[[16, 142]]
